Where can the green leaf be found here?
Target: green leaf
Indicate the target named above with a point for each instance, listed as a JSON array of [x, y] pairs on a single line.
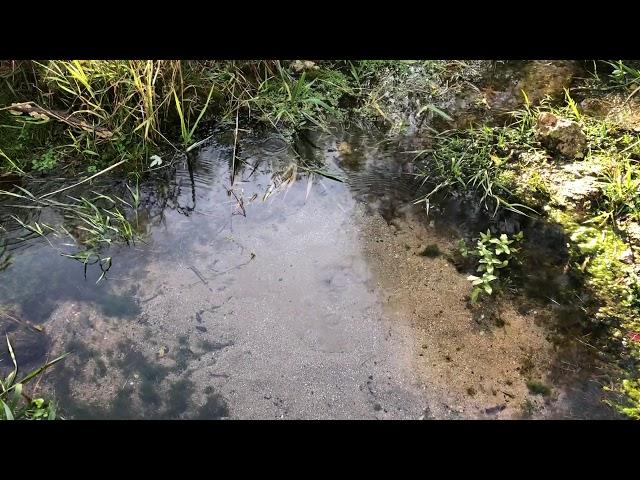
[[435, 110], [7, 411], [488, 289], [17, 392], [155, 160], [474, 295]]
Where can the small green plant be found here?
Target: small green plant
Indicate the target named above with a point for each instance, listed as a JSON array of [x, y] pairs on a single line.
[[15, 403], [494, 253], [623, 73], [46, 162]]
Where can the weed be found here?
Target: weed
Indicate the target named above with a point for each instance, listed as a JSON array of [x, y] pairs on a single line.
[[494, 254], [620, 185], [47, 161], [631, 406], [91, 222]]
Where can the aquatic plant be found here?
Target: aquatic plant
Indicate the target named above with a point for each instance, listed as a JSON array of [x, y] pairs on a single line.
[[91, 222]]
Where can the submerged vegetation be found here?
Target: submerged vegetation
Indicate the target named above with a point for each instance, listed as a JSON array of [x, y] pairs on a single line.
[[565, 151]]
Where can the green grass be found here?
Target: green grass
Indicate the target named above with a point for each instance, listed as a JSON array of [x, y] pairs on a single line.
[[474, 162], [15, 404]]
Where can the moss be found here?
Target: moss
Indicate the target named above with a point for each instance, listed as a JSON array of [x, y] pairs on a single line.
[[431, 251], [538, 388], [631, 388]]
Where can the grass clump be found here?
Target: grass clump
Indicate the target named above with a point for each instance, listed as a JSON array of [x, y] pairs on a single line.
[[90, 222], [478, 162], [15, 403]]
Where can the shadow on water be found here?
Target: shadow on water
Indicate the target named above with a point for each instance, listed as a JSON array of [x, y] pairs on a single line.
[[149, 390], [377, 173], [541, 281]]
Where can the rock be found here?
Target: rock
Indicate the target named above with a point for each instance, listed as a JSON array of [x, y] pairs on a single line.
[[627, 256], [616, 108], [543, 79], [632, 229], [577, 191], [561, 135], [496, 409], [595, 107], [345, 149], [303, 65]]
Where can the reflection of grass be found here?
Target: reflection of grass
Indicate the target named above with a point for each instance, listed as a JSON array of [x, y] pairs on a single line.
[[5, 258]]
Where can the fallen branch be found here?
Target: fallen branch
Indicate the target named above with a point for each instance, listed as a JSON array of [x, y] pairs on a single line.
[[37, 112]]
